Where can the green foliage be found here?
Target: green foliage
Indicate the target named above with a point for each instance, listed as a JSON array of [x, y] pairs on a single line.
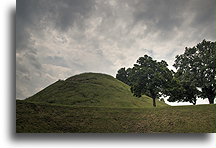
[[182, 90], [149, 77], [91, 89], [50, 118], [123, 75], [197, 66]]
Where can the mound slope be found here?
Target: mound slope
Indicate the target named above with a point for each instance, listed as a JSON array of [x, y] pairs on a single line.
[[91, 89]]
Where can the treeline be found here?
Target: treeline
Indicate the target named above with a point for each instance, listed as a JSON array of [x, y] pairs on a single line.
[[194, 76]]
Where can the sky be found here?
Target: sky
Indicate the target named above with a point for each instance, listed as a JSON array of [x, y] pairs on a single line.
[[56, 39]]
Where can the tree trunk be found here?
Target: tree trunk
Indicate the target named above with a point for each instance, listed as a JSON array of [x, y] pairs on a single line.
[[154, 102], [194, 102], [211, 99]]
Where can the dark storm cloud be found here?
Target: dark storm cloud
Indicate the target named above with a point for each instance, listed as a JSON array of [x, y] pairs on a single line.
[[70, 12], [26, 17], [204, 18], [204, 12], [60, 13], [166, 15]]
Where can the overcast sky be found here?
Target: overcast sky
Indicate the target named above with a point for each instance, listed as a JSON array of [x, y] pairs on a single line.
[[56, 39]]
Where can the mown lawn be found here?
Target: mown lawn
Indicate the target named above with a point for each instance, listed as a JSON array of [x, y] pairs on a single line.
[[45, 118]]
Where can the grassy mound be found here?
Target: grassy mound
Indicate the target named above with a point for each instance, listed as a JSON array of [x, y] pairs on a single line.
[[91, 89]]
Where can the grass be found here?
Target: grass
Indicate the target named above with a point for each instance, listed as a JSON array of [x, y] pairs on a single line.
[[99, 103], [92, 89], [52, 118]]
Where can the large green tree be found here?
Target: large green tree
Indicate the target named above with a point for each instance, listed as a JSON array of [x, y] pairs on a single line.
[[197, 66], [149, 77], [182, 90]]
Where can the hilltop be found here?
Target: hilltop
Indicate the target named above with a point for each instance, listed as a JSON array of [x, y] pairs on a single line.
[[91, 89]]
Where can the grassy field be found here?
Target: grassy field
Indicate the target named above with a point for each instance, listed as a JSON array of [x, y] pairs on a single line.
[[50, 118]]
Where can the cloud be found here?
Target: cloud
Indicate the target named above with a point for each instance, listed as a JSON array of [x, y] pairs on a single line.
[[56, 39]]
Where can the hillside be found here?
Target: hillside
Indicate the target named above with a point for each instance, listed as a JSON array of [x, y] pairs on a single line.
[[50, 118], [91, 89]]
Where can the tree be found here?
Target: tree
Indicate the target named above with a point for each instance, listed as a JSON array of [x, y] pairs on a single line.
[[197, 65], [149, 77], [123, 75], [182, 91]]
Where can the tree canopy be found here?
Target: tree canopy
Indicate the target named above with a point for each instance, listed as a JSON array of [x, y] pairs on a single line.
[[197, 67], [182, 90], [147, 77]]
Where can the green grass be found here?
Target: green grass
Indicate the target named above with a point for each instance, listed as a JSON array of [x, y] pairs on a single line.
[[99, 103], [91, 89], [52, 118]]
